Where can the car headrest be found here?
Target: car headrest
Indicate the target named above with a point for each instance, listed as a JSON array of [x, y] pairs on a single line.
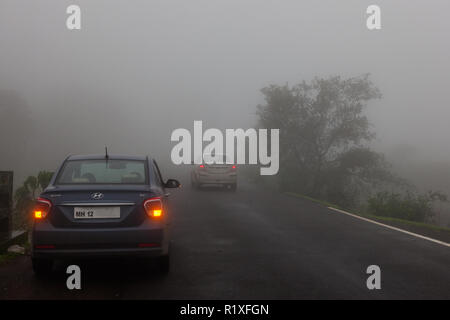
[[80, 180], [131, 178]]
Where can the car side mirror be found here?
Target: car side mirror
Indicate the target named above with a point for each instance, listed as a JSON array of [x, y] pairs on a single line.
[[172, 183]]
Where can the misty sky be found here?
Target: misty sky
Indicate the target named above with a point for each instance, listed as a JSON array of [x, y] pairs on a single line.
[[139, 69]]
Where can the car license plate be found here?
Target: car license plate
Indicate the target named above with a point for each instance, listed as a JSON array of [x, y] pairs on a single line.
[[96, 212]]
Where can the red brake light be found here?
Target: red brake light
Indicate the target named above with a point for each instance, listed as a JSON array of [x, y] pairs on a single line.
[[41, 208], [45, 246], [153, 207], [233, 167], [202, 166]]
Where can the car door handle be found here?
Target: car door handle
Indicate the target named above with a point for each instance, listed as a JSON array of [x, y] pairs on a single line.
[[166, 195]]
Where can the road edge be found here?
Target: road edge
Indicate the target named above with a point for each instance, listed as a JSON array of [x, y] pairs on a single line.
[[391, 227]]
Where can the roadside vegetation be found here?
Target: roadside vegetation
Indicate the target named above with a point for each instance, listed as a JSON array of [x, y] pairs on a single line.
[[408, 206], [24, 198], [325, 149], [6, 257]]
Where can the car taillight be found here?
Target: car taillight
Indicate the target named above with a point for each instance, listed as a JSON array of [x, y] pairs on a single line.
[[45, 246], [153, 207], [202, 166], [233, 167], [41, 208]]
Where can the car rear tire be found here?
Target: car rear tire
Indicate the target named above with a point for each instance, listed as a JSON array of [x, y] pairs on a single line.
[[164, 263], [42, 267]]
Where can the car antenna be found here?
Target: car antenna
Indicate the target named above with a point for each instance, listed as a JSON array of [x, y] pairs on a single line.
[[106, 153]]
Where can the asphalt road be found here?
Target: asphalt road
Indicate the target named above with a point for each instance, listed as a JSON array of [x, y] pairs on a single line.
[[256, 244]]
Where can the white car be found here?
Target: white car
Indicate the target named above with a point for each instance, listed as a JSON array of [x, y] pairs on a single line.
[[214, 170]]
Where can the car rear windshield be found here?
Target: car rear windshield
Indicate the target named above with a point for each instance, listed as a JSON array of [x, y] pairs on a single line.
[[216, 159], [103, 172]]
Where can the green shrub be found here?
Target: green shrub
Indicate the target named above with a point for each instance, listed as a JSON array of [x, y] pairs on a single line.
[[25, 195], [409, 206]]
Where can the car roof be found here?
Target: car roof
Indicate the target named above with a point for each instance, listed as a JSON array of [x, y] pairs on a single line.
[[110, 157]]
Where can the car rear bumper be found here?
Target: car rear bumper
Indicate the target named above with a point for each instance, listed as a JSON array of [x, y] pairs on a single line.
[[216, 179], [96, 253], [50, 242]]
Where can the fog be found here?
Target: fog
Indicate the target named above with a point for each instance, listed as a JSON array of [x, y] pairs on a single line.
[[138, 70]]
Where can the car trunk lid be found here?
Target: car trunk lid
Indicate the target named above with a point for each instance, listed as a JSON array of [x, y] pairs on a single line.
[[111, 206]]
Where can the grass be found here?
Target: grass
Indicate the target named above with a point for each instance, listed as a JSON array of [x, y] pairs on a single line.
[[7, 257], [413, 223], [387, 220], [322, 202]]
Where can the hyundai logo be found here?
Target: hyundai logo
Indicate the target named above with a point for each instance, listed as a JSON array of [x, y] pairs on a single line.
[[97, 196]]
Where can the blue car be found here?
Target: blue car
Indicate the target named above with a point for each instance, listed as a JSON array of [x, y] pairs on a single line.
[[102, 206]]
